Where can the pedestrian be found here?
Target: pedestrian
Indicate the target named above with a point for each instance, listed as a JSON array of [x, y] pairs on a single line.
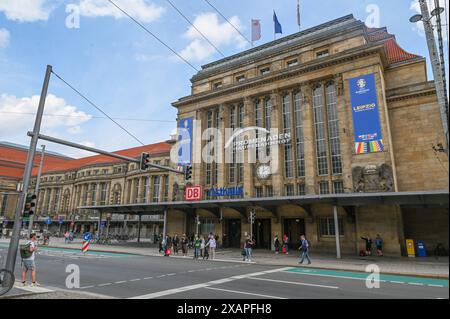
[[184, 245], [304, 246], [368, 241], [161, 243], [212, 244], [27, 253], [248, 249], [286, 244], [66, 237], [176, 242], [379, 245], [276, 244], [205, 250], [197, 244]]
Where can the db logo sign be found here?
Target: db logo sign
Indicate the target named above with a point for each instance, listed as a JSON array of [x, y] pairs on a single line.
[[193, 193]]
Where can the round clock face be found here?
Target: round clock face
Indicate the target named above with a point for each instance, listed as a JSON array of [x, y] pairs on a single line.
[[263, 171]]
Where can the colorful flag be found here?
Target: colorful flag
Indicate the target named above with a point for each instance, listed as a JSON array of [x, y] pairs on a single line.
[[278, 28], [256, 30], [298, 13]]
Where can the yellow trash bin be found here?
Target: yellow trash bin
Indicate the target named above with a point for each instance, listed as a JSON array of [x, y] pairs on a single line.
[[410, 248]]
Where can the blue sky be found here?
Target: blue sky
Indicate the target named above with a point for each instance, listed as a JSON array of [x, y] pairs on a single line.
[[127, 72]]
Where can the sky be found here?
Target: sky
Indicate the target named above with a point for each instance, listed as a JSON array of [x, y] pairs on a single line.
[[128, 73]]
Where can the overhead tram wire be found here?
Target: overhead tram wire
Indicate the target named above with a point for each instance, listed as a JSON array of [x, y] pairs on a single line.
[[154, 36], [98, 108], [220, 13], [201, 33]]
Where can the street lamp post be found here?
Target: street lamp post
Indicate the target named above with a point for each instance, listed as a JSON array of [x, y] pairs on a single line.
[[436, 63]]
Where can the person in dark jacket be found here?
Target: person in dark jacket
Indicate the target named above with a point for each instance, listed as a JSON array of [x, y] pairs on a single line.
[[368, 241], [276, 244], [304, 246], [379, 245]]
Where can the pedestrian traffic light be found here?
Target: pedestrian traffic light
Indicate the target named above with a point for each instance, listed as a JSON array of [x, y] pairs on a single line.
[[30, 205], [145, 159], [187, 172]]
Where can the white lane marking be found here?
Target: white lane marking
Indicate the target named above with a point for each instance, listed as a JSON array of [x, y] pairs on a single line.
[[120, 282], [396, 282], [87, 287], [245, 293], [107, 284], [171, 274], [439, 286], [146, 278], [207, 284], [333, 276], [137, 279], [161, 276], [415, 283], [296, 283], [191, 270]]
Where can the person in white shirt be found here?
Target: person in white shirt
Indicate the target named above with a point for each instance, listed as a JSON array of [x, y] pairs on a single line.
[[212, 246], [28, 264]]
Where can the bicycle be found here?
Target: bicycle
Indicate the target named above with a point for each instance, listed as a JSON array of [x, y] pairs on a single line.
[[7, 280]]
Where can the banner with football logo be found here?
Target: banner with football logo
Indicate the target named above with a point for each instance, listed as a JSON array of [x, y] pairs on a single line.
[[366, 118]]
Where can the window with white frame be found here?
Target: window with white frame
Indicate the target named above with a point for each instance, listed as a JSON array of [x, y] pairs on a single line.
[[326, 227], [288, 160]]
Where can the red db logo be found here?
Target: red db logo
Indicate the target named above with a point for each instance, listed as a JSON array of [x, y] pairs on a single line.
[[193, 193]]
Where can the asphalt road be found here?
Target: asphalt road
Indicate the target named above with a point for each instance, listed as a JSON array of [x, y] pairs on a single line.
[[130, 276]]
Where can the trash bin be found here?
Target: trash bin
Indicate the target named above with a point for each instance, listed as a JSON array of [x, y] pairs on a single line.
[[421, 252]]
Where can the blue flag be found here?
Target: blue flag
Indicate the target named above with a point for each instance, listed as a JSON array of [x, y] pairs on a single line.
[[277, 24]]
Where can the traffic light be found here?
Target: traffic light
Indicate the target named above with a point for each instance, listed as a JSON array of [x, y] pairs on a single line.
[[187, 172], [30, 205], [145, 159], [252, 217]]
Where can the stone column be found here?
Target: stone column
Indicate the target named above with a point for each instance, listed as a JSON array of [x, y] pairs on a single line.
[[310, 145]]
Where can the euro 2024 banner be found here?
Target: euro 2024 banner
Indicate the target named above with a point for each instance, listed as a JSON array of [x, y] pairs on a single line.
[[366, 118]]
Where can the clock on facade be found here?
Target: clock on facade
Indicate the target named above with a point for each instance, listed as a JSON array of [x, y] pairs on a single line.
[[263, 171]]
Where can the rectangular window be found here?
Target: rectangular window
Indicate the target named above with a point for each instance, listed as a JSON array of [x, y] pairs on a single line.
[[209, 155], [240, 153], [217, 85], [288, 161], [258, 122], [322, 54], [268, 120], [232, 166], [259, 192], [94, 194], [289, 190], [301, 189], [147, 190], [292, 63], [319, 126], [324, 188], [264, 71], [333, 130], [166, 188], [338, 187], [156, 183], [269, 191], [240, 78], [137, 196], [4, 205], [326, 227], [299, 135], [103, 193]]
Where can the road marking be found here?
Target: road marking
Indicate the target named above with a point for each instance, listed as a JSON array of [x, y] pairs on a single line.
[[120, 282], [296, 283], [207, 284], [397, 282], [191, 270], [440, 286], [146, 278], [137, 279], [87, 287], [161, 276], [107, 284], [31, 289], [245, 293], [415, 283]]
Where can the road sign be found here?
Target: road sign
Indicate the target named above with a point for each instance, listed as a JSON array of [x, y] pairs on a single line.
[[102, 225], [87, 236], [85, 246], [48, 221], [193, 193]]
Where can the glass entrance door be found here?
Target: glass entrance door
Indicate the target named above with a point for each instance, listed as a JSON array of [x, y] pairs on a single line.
[[293, 227]]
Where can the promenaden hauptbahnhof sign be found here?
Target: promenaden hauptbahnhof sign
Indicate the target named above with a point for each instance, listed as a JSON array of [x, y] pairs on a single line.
[[366, 119]]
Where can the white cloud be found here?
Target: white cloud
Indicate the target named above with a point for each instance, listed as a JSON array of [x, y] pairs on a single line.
[[26, 10], [220, 34], [60, 114], [4, 38], [418, 27], [74, 129], [142, 10]]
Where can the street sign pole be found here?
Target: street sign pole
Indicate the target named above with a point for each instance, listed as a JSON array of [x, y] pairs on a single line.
[[36, 189], [14, 243]]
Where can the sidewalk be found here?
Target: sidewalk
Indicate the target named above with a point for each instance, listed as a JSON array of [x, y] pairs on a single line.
[[425, 266]]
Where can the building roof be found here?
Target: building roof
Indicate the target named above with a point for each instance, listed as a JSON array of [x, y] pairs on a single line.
[[153, 149]]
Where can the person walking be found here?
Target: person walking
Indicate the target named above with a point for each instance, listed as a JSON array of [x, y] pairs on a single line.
[[248, 249], [197, 244], [202, 246], [379, 245], [276, 244], [176, 243], [304, 246], [184, 245], [286, 244], [212, 244], [28, 260], [205, 249], [368, 241]]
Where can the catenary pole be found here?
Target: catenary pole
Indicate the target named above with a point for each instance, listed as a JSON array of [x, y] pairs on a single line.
[[14, 243], [336, 232], [36, 189]]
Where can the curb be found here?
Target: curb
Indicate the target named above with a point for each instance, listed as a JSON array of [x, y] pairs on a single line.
[[269, 264]]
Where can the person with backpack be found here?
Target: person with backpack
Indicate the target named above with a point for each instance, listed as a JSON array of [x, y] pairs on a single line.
[[379, 245], [276, 245], [368, 241], [304, 246], [286, 244], [248, 249], [184, 245], [212, 244], [27, 252], [197, 244]]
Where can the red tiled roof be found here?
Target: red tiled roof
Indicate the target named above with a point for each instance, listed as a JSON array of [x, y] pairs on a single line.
[[394, 52], [153, 149]]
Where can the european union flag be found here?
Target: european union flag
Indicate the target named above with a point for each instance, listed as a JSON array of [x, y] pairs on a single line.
[[277, 24]]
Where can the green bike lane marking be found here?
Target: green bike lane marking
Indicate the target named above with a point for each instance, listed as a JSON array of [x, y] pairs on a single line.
[[401, 279], [76, 251]]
